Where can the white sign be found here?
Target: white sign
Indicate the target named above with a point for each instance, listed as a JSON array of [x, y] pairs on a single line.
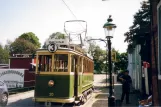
[[52, 47], [58, 41], [12, 77]]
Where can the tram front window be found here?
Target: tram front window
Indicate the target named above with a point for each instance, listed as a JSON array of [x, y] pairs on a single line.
[[44, 63], [60, 63]]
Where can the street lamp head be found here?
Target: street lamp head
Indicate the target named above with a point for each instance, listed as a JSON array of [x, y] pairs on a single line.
[[109, 27]]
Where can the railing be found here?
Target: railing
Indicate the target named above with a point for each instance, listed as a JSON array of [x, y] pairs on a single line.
[[29, 85]]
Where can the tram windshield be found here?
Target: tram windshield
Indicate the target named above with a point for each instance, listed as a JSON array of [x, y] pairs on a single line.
[[60, 63], [45, 63]]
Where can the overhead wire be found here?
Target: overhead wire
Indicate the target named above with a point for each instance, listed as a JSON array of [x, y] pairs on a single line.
[[72, 12], [70, 9]]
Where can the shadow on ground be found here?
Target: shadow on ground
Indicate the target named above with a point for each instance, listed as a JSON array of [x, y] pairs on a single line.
[[29, 103], [101, 97], [134, 96], [22, 103], [100, 103]]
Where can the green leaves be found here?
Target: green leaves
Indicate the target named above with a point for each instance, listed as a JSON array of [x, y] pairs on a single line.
[[141, 26], [22, 46], [31, 37], [99, 57], [122, 61], [4, 55], [27, 43], [56, 35]]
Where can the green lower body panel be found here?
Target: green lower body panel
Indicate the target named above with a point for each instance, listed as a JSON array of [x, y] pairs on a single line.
[[62, 90], [87, 82]]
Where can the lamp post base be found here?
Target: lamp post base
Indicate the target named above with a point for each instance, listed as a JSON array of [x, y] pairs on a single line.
[[111, 101]]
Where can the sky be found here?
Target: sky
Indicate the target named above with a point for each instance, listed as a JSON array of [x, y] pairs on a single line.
[[44, 17]]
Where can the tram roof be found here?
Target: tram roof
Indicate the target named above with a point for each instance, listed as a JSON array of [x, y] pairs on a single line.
[[65, 50]]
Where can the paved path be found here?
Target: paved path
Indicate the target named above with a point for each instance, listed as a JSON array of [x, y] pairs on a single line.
[[98, 99], [133, 96], [25, 99]]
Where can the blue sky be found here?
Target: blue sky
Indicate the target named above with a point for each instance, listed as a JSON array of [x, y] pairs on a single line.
[[44, 17]]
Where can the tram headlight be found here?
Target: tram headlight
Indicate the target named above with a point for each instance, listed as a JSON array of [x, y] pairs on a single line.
[[51, 83]]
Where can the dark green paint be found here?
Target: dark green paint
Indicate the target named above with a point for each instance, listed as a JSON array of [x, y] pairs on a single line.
[[63, 86]]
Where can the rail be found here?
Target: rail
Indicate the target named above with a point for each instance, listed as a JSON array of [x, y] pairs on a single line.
[[28, 85]]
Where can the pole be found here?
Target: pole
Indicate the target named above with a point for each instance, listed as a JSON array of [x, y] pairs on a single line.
[[111, 99], [106, 63]]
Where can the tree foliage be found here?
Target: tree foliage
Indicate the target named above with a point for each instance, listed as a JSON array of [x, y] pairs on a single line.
[[99, 57], [22, 46], [31, 37], [141, 25], [57, 35], [27, 43], [4, 55], [122, 61]]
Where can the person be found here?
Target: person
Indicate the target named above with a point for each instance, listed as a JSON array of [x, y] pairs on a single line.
[[146, 102], [126, 82]]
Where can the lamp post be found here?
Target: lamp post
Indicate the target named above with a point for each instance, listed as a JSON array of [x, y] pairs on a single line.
[[109, 30]]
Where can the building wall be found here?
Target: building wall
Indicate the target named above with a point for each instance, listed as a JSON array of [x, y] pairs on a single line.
[[23, 63], [134, 67], [130, 64], [154, 43]]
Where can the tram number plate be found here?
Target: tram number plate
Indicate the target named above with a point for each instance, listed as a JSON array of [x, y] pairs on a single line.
[[51, 94]]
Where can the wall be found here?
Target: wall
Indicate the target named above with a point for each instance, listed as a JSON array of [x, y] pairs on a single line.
[[29, 78], [154, 53], [134, 67], [158, 38], [23, 63]]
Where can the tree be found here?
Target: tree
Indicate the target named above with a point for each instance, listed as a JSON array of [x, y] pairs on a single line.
[[4, 55], [22, 46], [137, 33], [99, 56], [7, 45], [31, 37], [122, 61], [92, 46], [56, 35]]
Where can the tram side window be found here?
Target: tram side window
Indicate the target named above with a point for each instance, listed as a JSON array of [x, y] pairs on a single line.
[[84, 65], [73, 63], [44, 63], [80, 65], [61, 63]]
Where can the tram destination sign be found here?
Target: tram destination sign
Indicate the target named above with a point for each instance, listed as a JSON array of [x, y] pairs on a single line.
[[52, 47], [13, 78]]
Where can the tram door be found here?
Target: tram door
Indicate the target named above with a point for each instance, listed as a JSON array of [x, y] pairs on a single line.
[[75, 65]]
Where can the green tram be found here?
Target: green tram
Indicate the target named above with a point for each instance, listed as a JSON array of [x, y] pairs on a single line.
[[63, 76]]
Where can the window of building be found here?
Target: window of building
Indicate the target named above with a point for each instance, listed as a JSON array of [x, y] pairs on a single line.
[[61, 63], [44, 63]]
